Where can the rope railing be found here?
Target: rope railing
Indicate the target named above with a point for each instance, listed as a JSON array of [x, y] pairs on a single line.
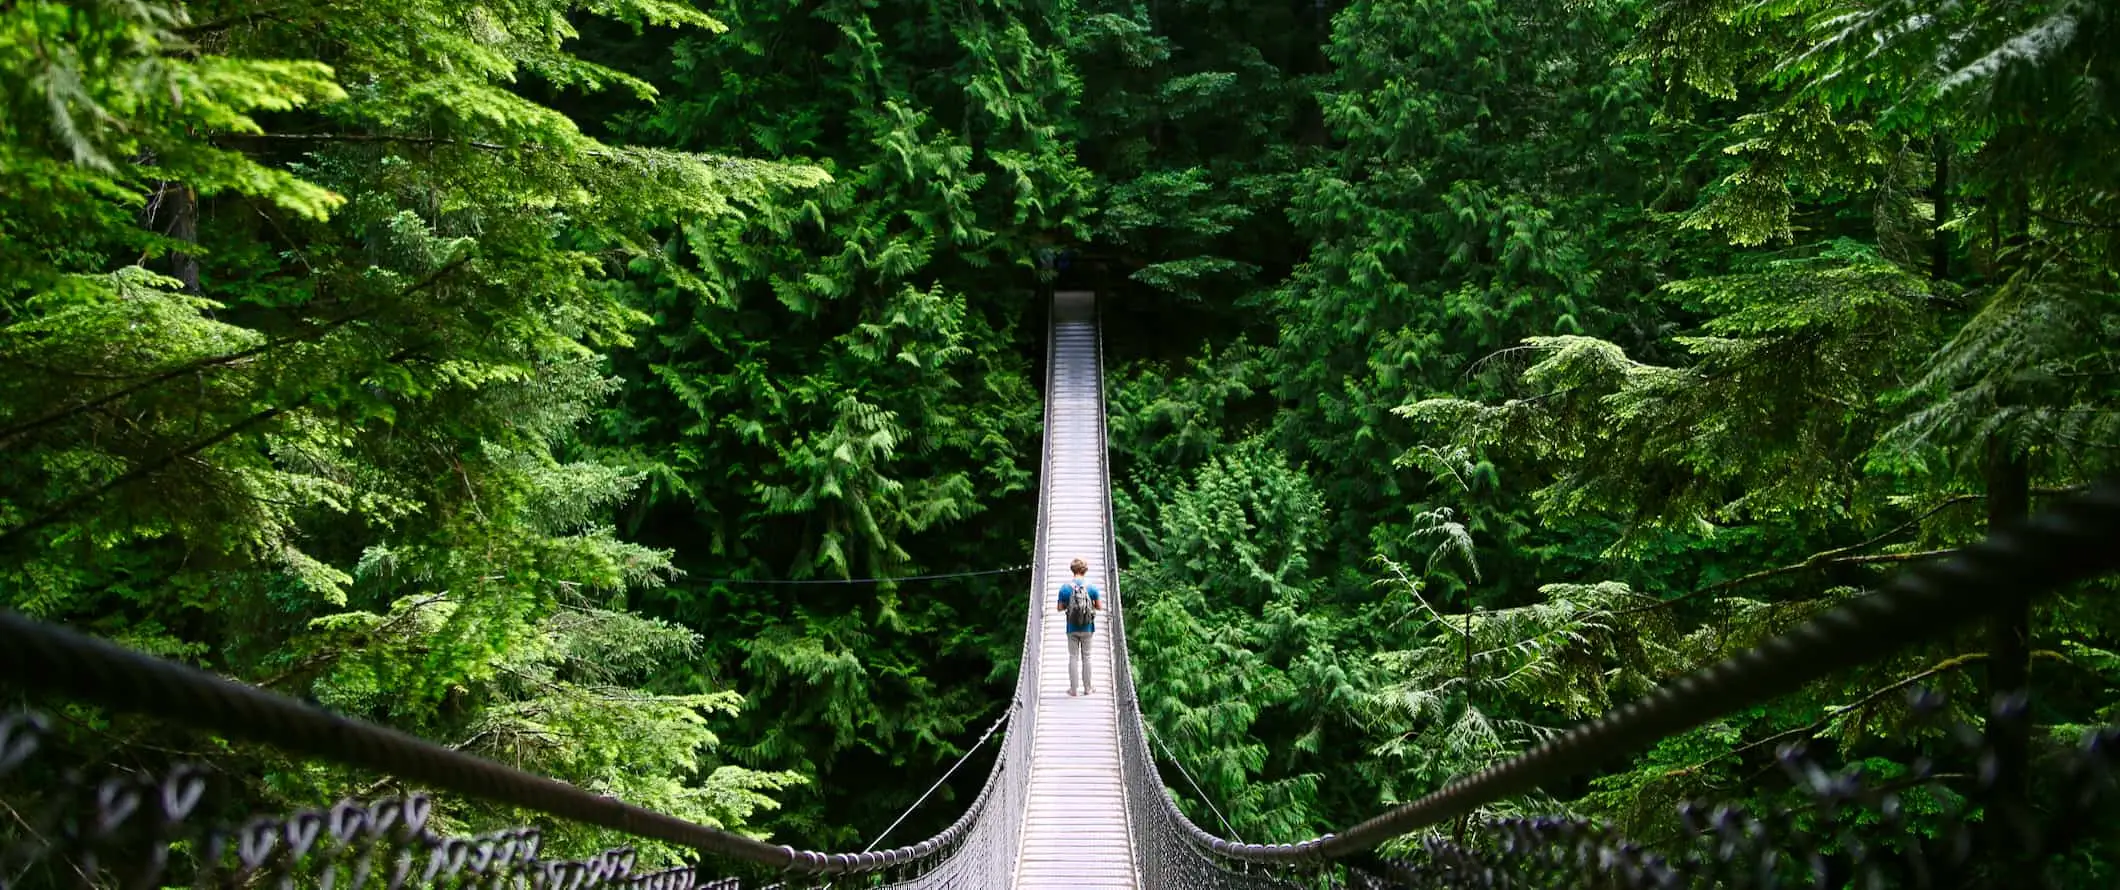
[[79, 820], [122, 680], [390, 842], [2072, 540], [978, 849]]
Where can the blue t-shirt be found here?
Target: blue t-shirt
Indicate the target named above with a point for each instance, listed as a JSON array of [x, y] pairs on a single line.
[[1067, 589]]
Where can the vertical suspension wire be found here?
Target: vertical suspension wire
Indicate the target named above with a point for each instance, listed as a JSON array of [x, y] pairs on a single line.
[[1189, 780]]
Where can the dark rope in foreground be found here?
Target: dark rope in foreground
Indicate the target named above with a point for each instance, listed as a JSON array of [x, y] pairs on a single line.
[[130, 827], [2068, 542], [2072, 540], [112, 676]]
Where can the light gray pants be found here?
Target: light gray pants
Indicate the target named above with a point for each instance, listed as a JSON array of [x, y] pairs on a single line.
[[1078, 659]]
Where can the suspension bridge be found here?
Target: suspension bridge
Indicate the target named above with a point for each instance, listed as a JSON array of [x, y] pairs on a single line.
[[1075, 797]]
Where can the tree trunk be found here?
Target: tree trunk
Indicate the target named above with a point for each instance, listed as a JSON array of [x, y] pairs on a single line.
[[2009, 666], [179, 205], [184, 226], [1940, 243]]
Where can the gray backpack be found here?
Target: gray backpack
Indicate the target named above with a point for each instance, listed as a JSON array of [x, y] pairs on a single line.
[[1079, 611]]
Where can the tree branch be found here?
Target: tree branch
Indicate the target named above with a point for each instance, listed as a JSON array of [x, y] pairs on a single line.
[[323, 658], [31, 830], [150, 468], [1953, 501], [222, 360], [364, 137], [1838, 555], [2076, 223], [1948, 664], [145, 470], [1891, 557], [273, 14]]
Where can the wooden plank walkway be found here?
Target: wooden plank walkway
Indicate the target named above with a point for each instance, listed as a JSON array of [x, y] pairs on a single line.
[[1075, 831]]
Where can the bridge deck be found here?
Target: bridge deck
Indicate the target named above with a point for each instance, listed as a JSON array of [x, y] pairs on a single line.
[[1075, 831]]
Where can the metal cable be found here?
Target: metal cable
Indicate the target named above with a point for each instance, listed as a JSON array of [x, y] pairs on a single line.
[[1009, 570], [118, 678], [121, 679], [2070, 541], [968, 752], [1189, 780]]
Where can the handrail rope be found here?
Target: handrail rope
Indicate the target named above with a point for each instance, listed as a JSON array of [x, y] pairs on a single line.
[[1122, 667], [1009, 570], [1163, 802], [1174, 761], [2060, 545], [968, 752], [120, 679], [2067, 542]]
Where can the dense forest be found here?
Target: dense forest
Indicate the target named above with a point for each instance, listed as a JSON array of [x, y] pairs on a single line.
[[474, 367]]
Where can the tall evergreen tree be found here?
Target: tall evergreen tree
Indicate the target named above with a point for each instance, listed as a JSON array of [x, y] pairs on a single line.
[[300, 306], [854, 397]]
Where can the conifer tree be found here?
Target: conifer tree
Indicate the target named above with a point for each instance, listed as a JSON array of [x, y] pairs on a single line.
[[300, 308]]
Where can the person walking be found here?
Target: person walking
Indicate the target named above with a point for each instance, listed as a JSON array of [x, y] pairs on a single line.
[[1081, 602]]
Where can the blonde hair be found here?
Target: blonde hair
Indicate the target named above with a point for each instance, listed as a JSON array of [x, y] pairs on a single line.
[[1080, 565]]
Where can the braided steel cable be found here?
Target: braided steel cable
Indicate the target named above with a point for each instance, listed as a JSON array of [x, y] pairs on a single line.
[[1847, 829], [2072, 540], [112, 676], [1169, 850], [61, 660], [978, 849]]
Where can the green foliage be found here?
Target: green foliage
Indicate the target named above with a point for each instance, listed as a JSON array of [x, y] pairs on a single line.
[[838, 383], [1169, 416], [444, 363], [1224, 643], [1454, 218], [1713, 311], [1245, 519], [303, 305], [1758, 426], [1194, 124], [562, 696], [1458, 692]]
